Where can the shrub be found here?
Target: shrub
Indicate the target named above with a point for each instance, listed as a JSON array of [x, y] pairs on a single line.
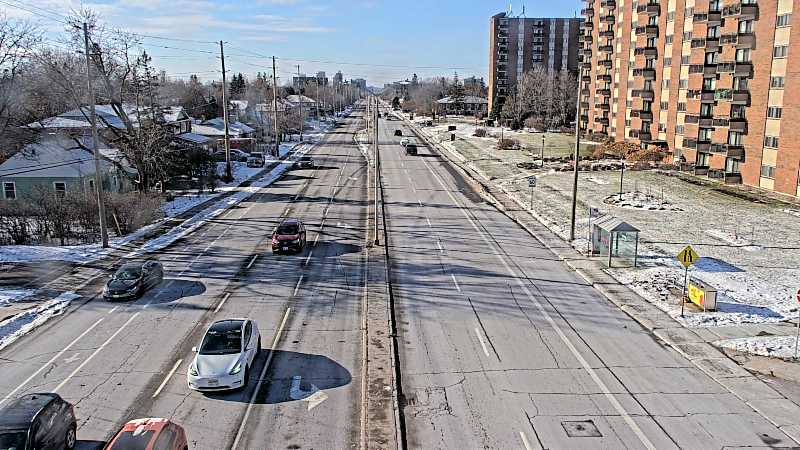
[[480, 132], [133, 210], [508, 144]]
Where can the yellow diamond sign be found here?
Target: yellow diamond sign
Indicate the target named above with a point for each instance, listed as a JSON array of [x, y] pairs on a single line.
[[688, 256]]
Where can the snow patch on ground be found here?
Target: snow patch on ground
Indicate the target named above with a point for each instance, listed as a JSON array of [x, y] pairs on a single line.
[[23, 323], [794, 212], [731, 238], [640, 200], [14, 295], [596, 180], [771, 346]]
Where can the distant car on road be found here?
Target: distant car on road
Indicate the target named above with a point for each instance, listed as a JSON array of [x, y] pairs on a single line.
[[405, 141], [37, 421], [256, 159], [225, 356], [398, 132], [305, 162], [152, 433], [133, 279], [411, 149], [290, 235], [236, 155]]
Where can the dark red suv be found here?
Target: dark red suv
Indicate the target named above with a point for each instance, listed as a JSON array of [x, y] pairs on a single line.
[[289, 236]]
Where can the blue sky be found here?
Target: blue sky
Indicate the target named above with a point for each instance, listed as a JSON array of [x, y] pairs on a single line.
[[434, 37]]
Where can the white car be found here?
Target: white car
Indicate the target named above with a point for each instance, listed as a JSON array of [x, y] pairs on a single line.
[[405, 141], [225, 356]]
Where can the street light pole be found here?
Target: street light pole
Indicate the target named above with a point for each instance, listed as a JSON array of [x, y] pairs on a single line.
[[542, 151], [577, 158], [300, 102], [98, 178], [275, 109], [228, 170]]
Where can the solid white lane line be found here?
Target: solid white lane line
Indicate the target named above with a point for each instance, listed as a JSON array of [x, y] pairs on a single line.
[[585, 364], [483, 344], [297, 286], [252, 261], [222, 302], [308, 257], [316, 239], [439, 244], [264, 369], [429, 222], [99, 349], [51, 361], [455, 282], [525, 441], [166, 379], [113, 309]]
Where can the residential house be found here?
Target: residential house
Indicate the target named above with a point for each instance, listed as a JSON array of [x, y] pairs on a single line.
[[241, 135], [468, 106], [62, 164]]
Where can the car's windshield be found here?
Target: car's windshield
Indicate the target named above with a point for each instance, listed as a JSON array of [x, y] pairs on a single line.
[[222, 342], [288, 229], [14, 440], [128, 273], [305, 158], [132, 440]]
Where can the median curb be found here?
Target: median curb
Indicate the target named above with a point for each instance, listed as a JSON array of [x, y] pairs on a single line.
[[763, 399]]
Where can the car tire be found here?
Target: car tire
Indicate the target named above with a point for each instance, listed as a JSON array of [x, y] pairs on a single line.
[[70, 437]]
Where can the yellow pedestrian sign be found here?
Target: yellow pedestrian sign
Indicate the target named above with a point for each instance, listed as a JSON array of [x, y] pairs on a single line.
[[688, 256]]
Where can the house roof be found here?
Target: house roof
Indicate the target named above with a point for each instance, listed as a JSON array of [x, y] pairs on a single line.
[[216, 127], [296, 99], [55, 156], [193, 138], [79, 117], [467, 99]]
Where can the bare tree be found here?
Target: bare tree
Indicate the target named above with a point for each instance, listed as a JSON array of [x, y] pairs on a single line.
[[564, 94]]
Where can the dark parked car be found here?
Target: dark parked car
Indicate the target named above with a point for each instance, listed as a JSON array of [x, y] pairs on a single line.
[[305, 162], [133, 279], [398, 132], [411, 149], [37, 422], [290, 235]]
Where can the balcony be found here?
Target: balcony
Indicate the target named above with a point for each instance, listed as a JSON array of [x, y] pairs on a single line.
[[648, 52], [647, 30], [605, 62], [707, 96], [644, 115], [608, 4], [603, 92], [746, 40], [601, 120], [588, 24], [712, 43], [586, 52], [604, 106], [644, 94], [584, 105], [738, 124], [604, 77], [709, 69], [586, 78], [586, 91], [723, 94], [741, 97], [606, 48], [608, 18], [698, 43], [584, 118], [690, 119], [696, 68], [743, 11], [743, 69], [649, 9], [703, 146], [587, 65], [607, 33], [588, 12], [714, 17], [725, 67], [734, 151], [645, 135], [646, 73]]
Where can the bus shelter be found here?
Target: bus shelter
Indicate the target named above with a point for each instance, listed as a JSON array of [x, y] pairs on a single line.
[[613, 237]]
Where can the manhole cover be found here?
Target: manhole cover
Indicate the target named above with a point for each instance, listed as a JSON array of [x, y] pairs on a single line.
[[581, 428]]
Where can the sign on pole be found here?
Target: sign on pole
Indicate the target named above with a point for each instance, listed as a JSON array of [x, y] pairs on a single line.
[[687, 257], [532, 181]]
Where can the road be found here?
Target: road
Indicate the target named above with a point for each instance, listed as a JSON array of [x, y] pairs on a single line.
[[501, 346], [118, 361]]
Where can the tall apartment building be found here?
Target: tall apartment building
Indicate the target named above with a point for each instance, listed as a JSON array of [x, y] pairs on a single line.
[[710, 80], [517, 44]]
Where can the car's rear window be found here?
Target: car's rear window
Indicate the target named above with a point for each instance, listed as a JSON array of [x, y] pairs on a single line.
[[305, 158], [130, 440], [288, 229], [12, 441]]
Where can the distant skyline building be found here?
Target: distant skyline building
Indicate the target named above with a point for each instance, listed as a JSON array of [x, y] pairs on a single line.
[[361, 83], [338, 79], [302, 81], [517, 44]]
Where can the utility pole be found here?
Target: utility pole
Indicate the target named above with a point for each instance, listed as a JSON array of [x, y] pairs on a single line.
[[300, 102], [317, 103], [98, 178], [377, 166], [542, 156], [228, 170], [275, 109], [577, 158]]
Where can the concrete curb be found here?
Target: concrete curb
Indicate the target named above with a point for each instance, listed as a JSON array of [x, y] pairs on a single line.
[[763, 399]]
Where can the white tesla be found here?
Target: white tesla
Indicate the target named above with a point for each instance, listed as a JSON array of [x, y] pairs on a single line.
[[225, 356]]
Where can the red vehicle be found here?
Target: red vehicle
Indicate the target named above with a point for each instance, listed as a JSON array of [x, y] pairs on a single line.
[[290, 235], [149, 434]]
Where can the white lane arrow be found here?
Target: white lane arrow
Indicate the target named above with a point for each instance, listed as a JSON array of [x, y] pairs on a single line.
[[314, 396]]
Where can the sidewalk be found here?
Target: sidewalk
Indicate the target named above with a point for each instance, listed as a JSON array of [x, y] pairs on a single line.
[[696, 347]]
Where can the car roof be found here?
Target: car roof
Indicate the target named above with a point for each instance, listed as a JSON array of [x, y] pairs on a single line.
[[20, 412], [227, 325], [145, 424], [290, 221]]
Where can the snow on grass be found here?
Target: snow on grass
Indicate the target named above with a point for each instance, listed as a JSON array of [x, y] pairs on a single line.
[[732, 239], [23, 323], [771, 346], [14, 295], [639, 200]]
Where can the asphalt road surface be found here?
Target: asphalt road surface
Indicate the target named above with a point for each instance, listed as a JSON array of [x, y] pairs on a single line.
[[119, 361], [502, 347]]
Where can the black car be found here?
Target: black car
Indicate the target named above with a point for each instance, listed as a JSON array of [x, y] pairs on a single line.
[[411, 149], [37, 422], [133, 279], [398, 132], [305, 162]]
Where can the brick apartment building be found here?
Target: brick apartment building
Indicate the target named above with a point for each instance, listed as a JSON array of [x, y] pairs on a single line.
[[710, 80], [517, 44]]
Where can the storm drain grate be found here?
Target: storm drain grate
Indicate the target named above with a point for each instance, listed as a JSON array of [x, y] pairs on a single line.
[[581, 428]]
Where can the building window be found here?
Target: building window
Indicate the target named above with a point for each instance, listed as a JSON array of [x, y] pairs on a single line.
[[687, 36], [742, 55], [60, 188], [705, 134], [774, 112], [776, 82], [780, 51], [734, 138], [688, 12], [740, 83], [683, 84], [670, 16], [745, 26], [9, 190], [783, 20], [771, 141], [712, 32], [682, 107], [679, 129], [664, 105], [669, 38], [703, 159], [665, 83], [629, 103], [662, 128], [627, 122], [767, 171], [685, 60], [667, 62]]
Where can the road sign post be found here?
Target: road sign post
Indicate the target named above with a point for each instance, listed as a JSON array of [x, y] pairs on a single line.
[[797, 338], [687, 257], [531, 185]]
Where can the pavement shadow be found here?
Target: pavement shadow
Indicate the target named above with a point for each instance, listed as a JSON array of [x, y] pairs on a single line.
[[89, 445], [171, 290], [750, 310], [715, 265]]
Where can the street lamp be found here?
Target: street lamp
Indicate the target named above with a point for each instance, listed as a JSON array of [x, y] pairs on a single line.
[[621, 175], [542, 150]]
